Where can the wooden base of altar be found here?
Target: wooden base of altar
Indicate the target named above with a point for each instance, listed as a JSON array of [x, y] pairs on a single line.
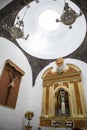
[[64, 122], [81, 123], [28, 128]]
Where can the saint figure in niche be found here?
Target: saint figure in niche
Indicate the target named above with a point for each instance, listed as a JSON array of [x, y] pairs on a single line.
[[62, 102], [62, 107]]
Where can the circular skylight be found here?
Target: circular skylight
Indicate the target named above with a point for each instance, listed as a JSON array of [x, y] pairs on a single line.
[[49, 39], [47, 20]]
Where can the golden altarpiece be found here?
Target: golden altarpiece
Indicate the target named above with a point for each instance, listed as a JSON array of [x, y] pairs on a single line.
[[63, 100]]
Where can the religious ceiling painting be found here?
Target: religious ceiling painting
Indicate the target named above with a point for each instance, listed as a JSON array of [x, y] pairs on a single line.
[[10, 83], [63, 101]]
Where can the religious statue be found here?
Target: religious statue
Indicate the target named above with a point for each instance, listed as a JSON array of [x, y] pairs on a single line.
[[62, 93], [62, 103], [13, 75], [59, 66]]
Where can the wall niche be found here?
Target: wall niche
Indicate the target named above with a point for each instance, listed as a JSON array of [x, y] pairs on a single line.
[[10, 83]]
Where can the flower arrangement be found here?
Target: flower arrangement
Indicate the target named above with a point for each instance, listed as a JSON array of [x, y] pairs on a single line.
[[29, 115]]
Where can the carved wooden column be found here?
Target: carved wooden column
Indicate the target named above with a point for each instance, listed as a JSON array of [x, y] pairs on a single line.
[[73, 105], [43, 101], [78, 100]]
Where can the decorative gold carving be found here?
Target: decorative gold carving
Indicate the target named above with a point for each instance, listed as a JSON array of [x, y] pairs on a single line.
[[66, 76], [73, 105], [66, 84], [82, 97], [47, 84], [28, 127], [51, 122], [70, 83], [78, 100], [77, 122], [47, 100], [56, 85], [43, 101]]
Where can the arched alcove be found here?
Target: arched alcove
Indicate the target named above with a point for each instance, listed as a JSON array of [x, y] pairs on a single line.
[[62, 101], [67, 88]]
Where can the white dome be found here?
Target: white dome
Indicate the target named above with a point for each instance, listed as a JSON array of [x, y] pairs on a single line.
[[48, 39]]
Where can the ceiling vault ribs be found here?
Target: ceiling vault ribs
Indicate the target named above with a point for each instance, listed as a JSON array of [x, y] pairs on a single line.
[[8, 15]]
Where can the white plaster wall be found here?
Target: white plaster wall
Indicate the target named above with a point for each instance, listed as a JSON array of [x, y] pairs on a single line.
[[29, 98], [12, 119]]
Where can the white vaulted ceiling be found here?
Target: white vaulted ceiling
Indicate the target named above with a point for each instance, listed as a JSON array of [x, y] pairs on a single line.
[[48, 39]]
